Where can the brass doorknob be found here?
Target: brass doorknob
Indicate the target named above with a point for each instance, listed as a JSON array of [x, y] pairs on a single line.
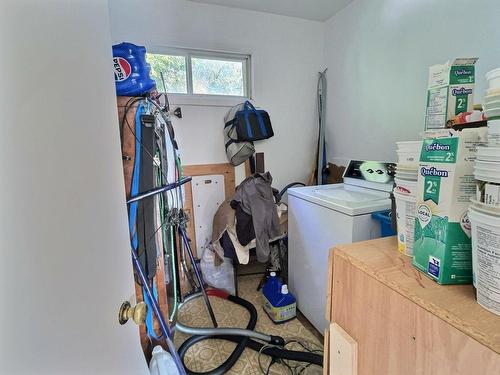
[[137, 313]]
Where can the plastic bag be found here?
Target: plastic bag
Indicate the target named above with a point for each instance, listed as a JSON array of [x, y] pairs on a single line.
[[220, 277]]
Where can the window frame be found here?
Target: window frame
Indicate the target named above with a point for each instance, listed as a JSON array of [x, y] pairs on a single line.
[[191, 98]]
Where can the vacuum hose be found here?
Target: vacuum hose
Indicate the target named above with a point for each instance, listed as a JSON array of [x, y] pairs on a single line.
[[243, 339]]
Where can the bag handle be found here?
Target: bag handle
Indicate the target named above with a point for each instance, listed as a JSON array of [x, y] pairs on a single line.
[[250, 106]]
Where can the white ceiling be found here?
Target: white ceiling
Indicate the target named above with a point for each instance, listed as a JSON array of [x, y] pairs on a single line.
[[318, 10]]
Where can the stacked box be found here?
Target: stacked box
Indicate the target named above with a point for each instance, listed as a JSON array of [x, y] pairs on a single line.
[[442, 247]]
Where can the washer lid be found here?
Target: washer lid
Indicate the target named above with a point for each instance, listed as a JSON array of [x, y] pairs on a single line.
[[348, 199]]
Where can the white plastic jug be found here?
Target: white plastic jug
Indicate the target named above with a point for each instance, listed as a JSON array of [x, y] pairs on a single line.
[[162, 363]]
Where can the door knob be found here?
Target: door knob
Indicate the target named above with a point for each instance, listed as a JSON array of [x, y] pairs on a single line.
[[137, 313]]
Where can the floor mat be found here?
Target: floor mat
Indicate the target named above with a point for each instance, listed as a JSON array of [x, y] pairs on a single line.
[[209, 354]]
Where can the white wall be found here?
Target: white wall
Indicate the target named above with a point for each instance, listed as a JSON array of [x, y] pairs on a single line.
[[287, 53], [65, 263], [378, 54]]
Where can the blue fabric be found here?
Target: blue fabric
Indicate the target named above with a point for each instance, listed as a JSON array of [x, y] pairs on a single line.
[[250, 107], [149, 317], [247, 122], [134, 190]]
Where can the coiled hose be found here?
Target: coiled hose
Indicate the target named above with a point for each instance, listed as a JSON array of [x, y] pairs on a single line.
[[243, 341]]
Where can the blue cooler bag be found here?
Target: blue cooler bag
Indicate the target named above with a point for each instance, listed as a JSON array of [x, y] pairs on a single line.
[[251, 124]]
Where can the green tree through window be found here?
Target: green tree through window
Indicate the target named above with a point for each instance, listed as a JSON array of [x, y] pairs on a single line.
[[173, 69], [209, 75]]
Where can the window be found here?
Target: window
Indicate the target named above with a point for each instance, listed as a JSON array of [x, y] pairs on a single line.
[[201, 73]]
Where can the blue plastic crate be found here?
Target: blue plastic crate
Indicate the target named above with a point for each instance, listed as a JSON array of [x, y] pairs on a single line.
[[385, 219]]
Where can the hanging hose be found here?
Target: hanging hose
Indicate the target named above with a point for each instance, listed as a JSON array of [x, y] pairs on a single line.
[[243, 339]]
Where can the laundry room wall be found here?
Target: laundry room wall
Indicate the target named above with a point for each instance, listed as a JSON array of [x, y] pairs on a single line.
[[286, 53], [378, 54]]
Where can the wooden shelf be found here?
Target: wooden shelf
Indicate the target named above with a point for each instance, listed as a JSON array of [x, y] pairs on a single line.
[[403, 321], [455, 304]]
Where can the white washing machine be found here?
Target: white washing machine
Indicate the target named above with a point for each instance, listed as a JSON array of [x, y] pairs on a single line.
[[321, 217]]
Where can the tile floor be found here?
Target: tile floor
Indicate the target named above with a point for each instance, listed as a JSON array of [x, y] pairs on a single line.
[[209, 354]]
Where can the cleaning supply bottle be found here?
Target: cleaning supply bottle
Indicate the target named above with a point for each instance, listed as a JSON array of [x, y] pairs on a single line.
[[162, 363], [272, 285], [280, 306]]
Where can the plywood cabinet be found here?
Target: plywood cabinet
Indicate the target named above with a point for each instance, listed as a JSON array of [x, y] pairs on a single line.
[[403, 322]]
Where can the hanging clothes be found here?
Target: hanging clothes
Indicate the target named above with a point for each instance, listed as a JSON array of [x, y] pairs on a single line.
[[255, 197]]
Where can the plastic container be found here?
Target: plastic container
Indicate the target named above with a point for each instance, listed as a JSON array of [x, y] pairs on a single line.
[[491, 98], [493, 77], [272, 285], [408, 158], [491, 154], [406, 174], [492, 114], [162, 363], [488, 165], [491, 92], [408, 152], [131, 70], [491, 105], [409, 146], [281, 306], [487, 175], [405, 187], [485, 232], [493, 130], [405, 217], [385, 219]]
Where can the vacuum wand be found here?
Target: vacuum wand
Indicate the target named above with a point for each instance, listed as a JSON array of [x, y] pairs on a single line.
[[159, 190]]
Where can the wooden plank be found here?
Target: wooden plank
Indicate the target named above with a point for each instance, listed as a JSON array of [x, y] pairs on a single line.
[[225, 169], [127, 135], [248, 169], [260, 166], [455, 304], [343, 352], [329, 288], [326, 352], [396, 335]]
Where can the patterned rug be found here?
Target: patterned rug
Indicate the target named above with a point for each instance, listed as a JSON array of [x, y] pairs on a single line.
[[209, 354]]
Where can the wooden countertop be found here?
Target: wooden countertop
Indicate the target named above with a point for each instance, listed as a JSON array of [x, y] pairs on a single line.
[[455, 304]]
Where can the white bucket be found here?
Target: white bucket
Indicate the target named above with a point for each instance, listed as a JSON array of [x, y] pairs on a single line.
[[485, 230], [408, 157], [405, 187], [494, 124], [491, 154], [409, 146], [492, 105], [493, 113], [493, 77], [405, 216], [488, 171], [492, 92]]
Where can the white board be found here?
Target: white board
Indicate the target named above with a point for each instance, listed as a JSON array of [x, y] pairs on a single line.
[[208, 195]]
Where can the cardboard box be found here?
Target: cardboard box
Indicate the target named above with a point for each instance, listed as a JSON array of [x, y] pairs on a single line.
[[450, 91], [442, 247]]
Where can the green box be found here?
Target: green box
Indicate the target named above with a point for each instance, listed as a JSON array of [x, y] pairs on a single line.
[[442, 247], [450, 91]]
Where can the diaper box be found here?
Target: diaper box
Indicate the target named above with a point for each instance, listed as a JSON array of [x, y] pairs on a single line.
[[442, 247], [450, 91]]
